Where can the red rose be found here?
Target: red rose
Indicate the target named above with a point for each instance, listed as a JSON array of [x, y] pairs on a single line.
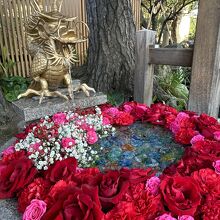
[[181, 194], [148, 207], [124, 118], [158, 113], [208, 181], [137, 110], [112, 187], [61, 170], [15, 174], [123, 210], [207, 150], [85, 176], [207, 125], [211, 210], [75, 203], [38, 189], [184, 135], [137, 175]]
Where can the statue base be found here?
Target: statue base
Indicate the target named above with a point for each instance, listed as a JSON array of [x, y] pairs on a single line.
[[29, 108]]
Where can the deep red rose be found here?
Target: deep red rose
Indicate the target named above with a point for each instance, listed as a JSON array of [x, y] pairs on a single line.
[[207, 125], [137, 110], [15, 175], [76, 203], [14, 156], [124, 118], [62, 170], [208, 181], [134, 192], [38, 189], [85, 176], [55, 191], [207, 150], [181, 194], [105, 106], [123, 210], [158, 113], [190, 162], [169, 118], [211, 210], [29, 128], [137, 175], [148, 207], [112, 187], [184, 135]]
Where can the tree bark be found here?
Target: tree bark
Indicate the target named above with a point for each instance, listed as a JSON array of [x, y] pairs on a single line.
[[111, 53]]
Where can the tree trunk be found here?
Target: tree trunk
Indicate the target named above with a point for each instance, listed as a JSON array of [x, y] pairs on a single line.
[[111, 53], [174, 29], [166, 38]]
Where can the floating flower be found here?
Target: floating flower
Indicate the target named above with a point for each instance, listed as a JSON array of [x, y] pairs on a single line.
[[7, 151], [216, 165], [59, 118], [197, 138], [185, 217], [165, 217], [217, 135], [68, 142], [92, 137], [153, 185], [113, 111], [35, 210]]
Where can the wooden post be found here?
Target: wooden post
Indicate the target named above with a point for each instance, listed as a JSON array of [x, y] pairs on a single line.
[[143, 81], [205, 79]]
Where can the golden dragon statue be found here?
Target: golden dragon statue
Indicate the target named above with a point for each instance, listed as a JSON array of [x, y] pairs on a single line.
[[51, 43]]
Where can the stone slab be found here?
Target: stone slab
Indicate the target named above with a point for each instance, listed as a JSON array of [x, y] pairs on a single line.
[[8, 210], [30, 109]]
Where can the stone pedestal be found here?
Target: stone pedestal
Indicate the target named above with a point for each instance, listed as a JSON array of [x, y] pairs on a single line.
[[29, 108]]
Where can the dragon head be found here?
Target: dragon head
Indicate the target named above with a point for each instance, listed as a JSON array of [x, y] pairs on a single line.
[[53, 25]]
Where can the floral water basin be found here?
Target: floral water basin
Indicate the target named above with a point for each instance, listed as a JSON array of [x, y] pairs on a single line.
[[138, 145]]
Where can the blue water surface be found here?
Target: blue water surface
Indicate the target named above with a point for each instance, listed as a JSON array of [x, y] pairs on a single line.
[[139, 145]]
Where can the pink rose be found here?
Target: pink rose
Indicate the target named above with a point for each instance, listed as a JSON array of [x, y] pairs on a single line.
[[59, 118], [35, 210], [216, 165], [35, 146], [175, 126], [197, 138], [217, 135], [8, 151], [68, 142], [185, 217], [127, 108], [106, 121], [153, 185], [92, 137], [112, 111], [165, 217]]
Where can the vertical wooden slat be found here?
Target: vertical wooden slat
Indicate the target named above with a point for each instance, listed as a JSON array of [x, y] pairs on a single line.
[[18, 30], [22, 15], [9, 36], [3, 41], [143, 80], [205, 79], [14, 36]]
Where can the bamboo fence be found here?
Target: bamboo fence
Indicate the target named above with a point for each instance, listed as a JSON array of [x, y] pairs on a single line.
[[13, 14]]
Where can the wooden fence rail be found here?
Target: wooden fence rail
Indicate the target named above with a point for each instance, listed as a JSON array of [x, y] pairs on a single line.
[[13, 14]]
